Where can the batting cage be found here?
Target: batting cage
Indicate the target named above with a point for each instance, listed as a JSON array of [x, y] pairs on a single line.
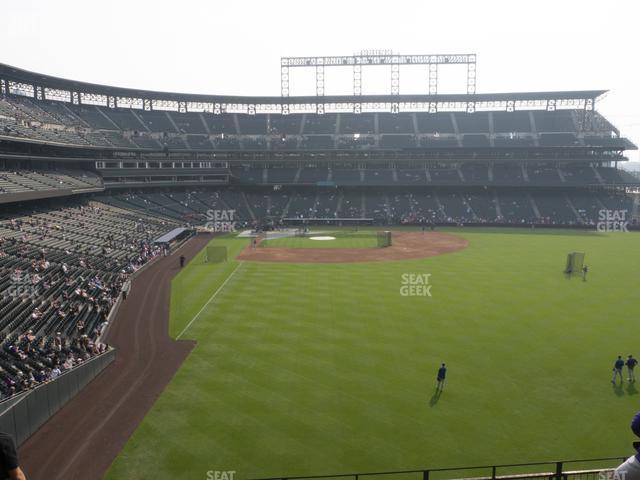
[[575, 261], [384, 239], [215, 255]]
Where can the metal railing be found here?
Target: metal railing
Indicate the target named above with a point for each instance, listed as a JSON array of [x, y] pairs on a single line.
[[552, 470]]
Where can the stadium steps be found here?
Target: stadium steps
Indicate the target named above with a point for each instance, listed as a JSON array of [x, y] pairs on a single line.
[[561, 175], [394, 174], [296, 177], [361, 175], [115, 126], [285, 210], [144, 125], [460, 174], [573, 208], [534, 130], [597, 174], [236, 124], [635, 210], [265, 175], [172, 122], [534, 206], [337, 130], [204, 122], [492, 142], [339, 203], [316, 204], [304, 119], [440, 206], [427, 173], [525, 174], [414, 121], [387, 207], [600, 203], [490, 172], [496, 202], [456, 129], [246, 204], [363, 202], [206, 206], [468, 206], [79, 119]]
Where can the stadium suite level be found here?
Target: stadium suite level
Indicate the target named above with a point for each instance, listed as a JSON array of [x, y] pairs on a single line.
[[522, 158]]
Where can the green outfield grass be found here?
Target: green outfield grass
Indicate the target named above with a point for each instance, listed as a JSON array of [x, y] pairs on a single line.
[[343, 239], [325, 368]]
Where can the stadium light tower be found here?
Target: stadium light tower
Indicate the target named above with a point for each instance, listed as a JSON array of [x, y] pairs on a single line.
[[368, 58]]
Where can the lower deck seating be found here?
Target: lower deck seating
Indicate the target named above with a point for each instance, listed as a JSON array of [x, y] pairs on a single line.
[[384, 205], [62, 267]]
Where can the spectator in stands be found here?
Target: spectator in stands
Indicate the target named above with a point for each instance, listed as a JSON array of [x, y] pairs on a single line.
[[630, 469], [9, 465], [55, 372]]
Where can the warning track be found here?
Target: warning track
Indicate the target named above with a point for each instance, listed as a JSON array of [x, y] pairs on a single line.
[[82, 439]]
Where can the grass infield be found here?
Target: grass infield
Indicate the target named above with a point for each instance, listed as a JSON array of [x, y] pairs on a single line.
[[305, 369]]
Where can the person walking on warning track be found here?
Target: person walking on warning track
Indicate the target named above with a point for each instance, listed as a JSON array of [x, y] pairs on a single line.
[[617, 369], [631, 364], [442, 373], [181, 261]]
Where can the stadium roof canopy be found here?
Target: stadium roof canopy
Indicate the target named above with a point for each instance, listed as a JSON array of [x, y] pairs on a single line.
[[40, 86], [170, 236]]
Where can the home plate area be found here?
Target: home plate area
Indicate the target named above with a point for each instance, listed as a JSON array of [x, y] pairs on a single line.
[[405, 246]]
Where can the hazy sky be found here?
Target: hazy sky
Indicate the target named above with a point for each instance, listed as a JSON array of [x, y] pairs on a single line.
[[234, 47]]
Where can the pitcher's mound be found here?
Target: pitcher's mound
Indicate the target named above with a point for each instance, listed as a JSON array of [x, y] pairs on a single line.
[[405, 246]]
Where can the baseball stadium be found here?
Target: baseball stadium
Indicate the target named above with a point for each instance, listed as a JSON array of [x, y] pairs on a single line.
[[393, 286]]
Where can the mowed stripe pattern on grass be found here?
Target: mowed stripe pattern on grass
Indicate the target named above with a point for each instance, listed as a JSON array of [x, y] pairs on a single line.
[[308, 369]]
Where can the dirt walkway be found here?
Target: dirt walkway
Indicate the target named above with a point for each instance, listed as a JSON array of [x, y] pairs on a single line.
[[84, 437], [405, 246]]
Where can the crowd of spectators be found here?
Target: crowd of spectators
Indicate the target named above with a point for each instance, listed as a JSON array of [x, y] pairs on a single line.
[[63, 270]]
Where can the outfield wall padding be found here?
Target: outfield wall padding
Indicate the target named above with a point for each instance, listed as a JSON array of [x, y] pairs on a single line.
[[22, 415]]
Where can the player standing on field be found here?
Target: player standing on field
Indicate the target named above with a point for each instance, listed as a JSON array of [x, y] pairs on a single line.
[[617, 369], [442, 373], [631, 363]]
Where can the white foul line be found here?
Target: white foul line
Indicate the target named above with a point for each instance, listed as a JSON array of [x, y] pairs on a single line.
[[209, 301]]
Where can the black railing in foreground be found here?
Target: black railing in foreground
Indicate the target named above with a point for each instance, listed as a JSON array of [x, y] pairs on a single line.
[[557, 470]]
